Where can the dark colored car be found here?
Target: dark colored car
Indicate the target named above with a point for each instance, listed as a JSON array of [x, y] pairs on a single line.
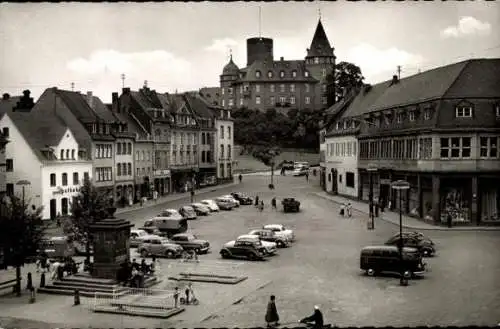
[[201, 209], [290, 205], [379, 259], [191, 242], [251, 249], [424, 246], [242, 198], [188, 212], [287, 165], [269, 235], [416, 235]]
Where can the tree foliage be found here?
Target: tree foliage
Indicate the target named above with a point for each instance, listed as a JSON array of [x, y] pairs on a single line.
[[345, 76], [87, 208], [21, 230]]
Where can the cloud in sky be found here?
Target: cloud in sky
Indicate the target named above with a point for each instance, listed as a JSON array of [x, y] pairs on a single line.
[[375, 63], [467, 26]]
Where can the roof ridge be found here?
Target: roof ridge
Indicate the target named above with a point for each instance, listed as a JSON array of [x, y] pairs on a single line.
[[468, 62]]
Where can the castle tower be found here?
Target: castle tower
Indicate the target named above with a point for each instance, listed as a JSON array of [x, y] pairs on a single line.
[[259, 49], [229, 76], [320, 61]]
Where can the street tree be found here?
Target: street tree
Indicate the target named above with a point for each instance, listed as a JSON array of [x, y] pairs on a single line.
[[344, 77], [21, 233], [87, 208]]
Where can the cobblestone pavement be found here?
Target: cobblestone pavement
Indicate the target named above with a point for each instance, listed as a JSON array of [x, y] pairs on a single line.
[[322, 267]]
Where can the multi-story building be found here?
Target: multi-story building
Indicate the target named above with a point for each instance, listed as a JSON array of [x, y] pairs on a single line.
[[205, 116], [150, 113], [45, 155], [439, 131], [224, 143], [284, 84], [92, 132]]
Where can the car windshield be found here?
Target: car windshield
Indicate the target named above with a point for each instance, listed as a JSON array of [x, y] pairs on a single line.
[[165, 213]]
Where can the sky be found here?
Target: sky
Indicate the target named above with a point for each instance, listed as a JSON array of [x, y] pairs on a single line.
[[184, 46]]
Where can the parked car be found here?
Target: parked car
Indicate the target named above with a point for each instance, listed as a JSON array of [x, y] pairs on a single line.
[[287, 165], [300, 171], [250, 248], [269, 235], [379, 259], [200, 209], [169, 214], [424, 246], [299, 164], [136, 237], [290, 205], [417, 235], [188, 212], [271, 247], [225, 203], [229, 196], [191, 242], [153, 230], [168, 226], [211, 204], [242, 198], [158, 246], [281, 231]]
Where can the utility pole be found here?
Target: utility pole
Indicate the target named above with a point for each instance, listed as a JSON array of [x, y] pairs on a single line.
[[399, 72], [123, 80], [72, 86], [260, 22]]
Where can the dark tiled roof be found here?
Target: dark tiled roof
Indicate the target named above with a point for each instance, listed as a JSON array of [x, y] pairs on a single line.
[[199, 105], [320, 46], [141, 99], [230, 68], [6, 105], [365, 99], [40, 131], [78, 105], [479, 78], [276, 67], [102, 110]]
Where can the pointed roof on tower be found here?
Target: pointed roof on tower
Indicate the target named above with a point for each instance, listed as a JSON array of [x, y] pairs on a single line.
[[320, 46]]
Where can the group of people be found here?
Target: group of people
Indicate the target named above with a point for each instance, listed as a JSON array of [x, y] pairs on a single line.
[[346, 210], [272, 317], [260, 203], [189, 293], [133, 273]]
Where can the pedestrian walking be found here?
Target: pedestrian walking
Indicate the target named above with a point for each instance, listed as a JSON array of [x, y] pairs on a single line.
[[342, 209], [449, 219], [377, 206], [307, 176], [273, 203], [257, 201], [261, 205], [176, 297], [55, 270], [240, 178], [272, 318], [349, 210]]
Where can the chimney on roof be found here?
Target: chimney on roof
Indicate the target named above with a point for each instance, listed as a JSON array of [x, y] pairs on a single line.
[[115, 103], [90, 99], [282, 58], [394, 80], [126, 91], [5, 96]]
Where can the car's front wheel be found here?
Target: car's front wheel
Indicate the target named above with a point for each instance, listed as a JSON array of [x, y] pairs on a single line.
[[252, 256], [280, 244], [225, 254], [170, 254]]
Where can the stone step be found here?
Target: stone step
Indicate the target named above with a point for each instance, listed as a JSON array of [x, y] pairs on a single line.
[[77, 285], [138, 311], [86, 278], [52, 290], [84, 288]]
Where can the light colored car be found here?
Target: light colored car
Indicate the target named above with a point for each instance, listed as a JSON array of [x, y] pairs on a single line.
[[211, 204], [200, 209], [250, 248], [188, 212], [169, 214], [157, 246], [229, 196], [225, 203], [300, 171], [136, 237], [281, 230], [271, 247]]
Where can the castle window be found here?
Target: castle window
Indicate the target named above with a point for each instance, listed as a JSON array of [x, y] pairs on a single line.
[[257, 100], [308, 100], [307, 88], [257, 88], [270, 74], [323, 72], [294, 73], [282, 74], [463, 112], [316, 60], [282, 88], [272, 100], [230, 102], [324, 100], [257, 74], [292, 100], [230, 91], [323, 88], [292, 88], [241, 101], [272, 88], [306, 74], [282, 100]]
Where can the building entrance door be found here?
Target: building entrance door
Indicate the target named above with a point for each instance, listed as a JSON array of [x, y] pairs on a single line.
[[53, 208]]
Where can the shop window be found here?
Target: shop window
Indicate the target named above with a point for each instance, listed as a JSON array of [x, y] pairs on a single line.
[[456, 147], [349, 179]]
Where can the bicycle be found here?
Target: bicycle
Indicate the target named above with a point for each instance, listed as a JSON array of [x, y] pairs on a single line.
[[189, 256]]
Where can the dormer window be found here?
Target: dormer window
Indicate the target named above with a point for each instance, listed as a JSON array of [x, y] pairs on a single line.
[[294, 74], [282, 74], [270, 74], [353, 124], [345, 124], [316, 60], [306, 74], [427, 114], [412, 116], [463, 111], [497, 111], [338, 126], [399, 118], [257, 74]]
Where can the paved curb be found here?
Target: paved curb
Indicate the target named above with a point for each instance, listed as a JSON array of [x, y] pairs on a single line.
[[437, 228], [175, 198]]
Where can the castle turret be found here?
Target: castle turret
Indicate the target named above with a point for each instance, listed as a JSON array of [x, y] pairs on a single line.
[[229, 76]]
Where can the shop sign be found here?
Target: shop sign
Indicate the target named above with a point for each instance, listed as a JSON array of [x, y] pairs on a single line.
[[162, 172], [60, 190]]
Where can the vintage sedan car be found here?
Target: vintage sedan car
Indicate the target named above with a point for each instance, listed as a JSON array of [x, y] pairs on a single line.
[[191, 242], [211, 204], [271, 247], [270, 236], [169, 214], [153, 230], [230, 197], [136, 237], [415, 234], [290, 205], [158, 246], [287, 164], [375, 260], [225, 203], [281, 231], [200, 209], [242, 198], [300, 171], [249, 248], [188, 212], [422, 245]]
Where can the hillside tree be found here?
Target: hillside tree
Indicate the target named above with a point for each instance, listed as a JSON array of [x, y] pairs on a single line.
[[344, 77]]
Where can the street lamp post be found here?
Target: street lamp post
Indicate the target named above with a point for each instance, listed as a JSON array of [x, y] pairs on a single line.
[[401, 185], [371, 224], [22, 183]]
